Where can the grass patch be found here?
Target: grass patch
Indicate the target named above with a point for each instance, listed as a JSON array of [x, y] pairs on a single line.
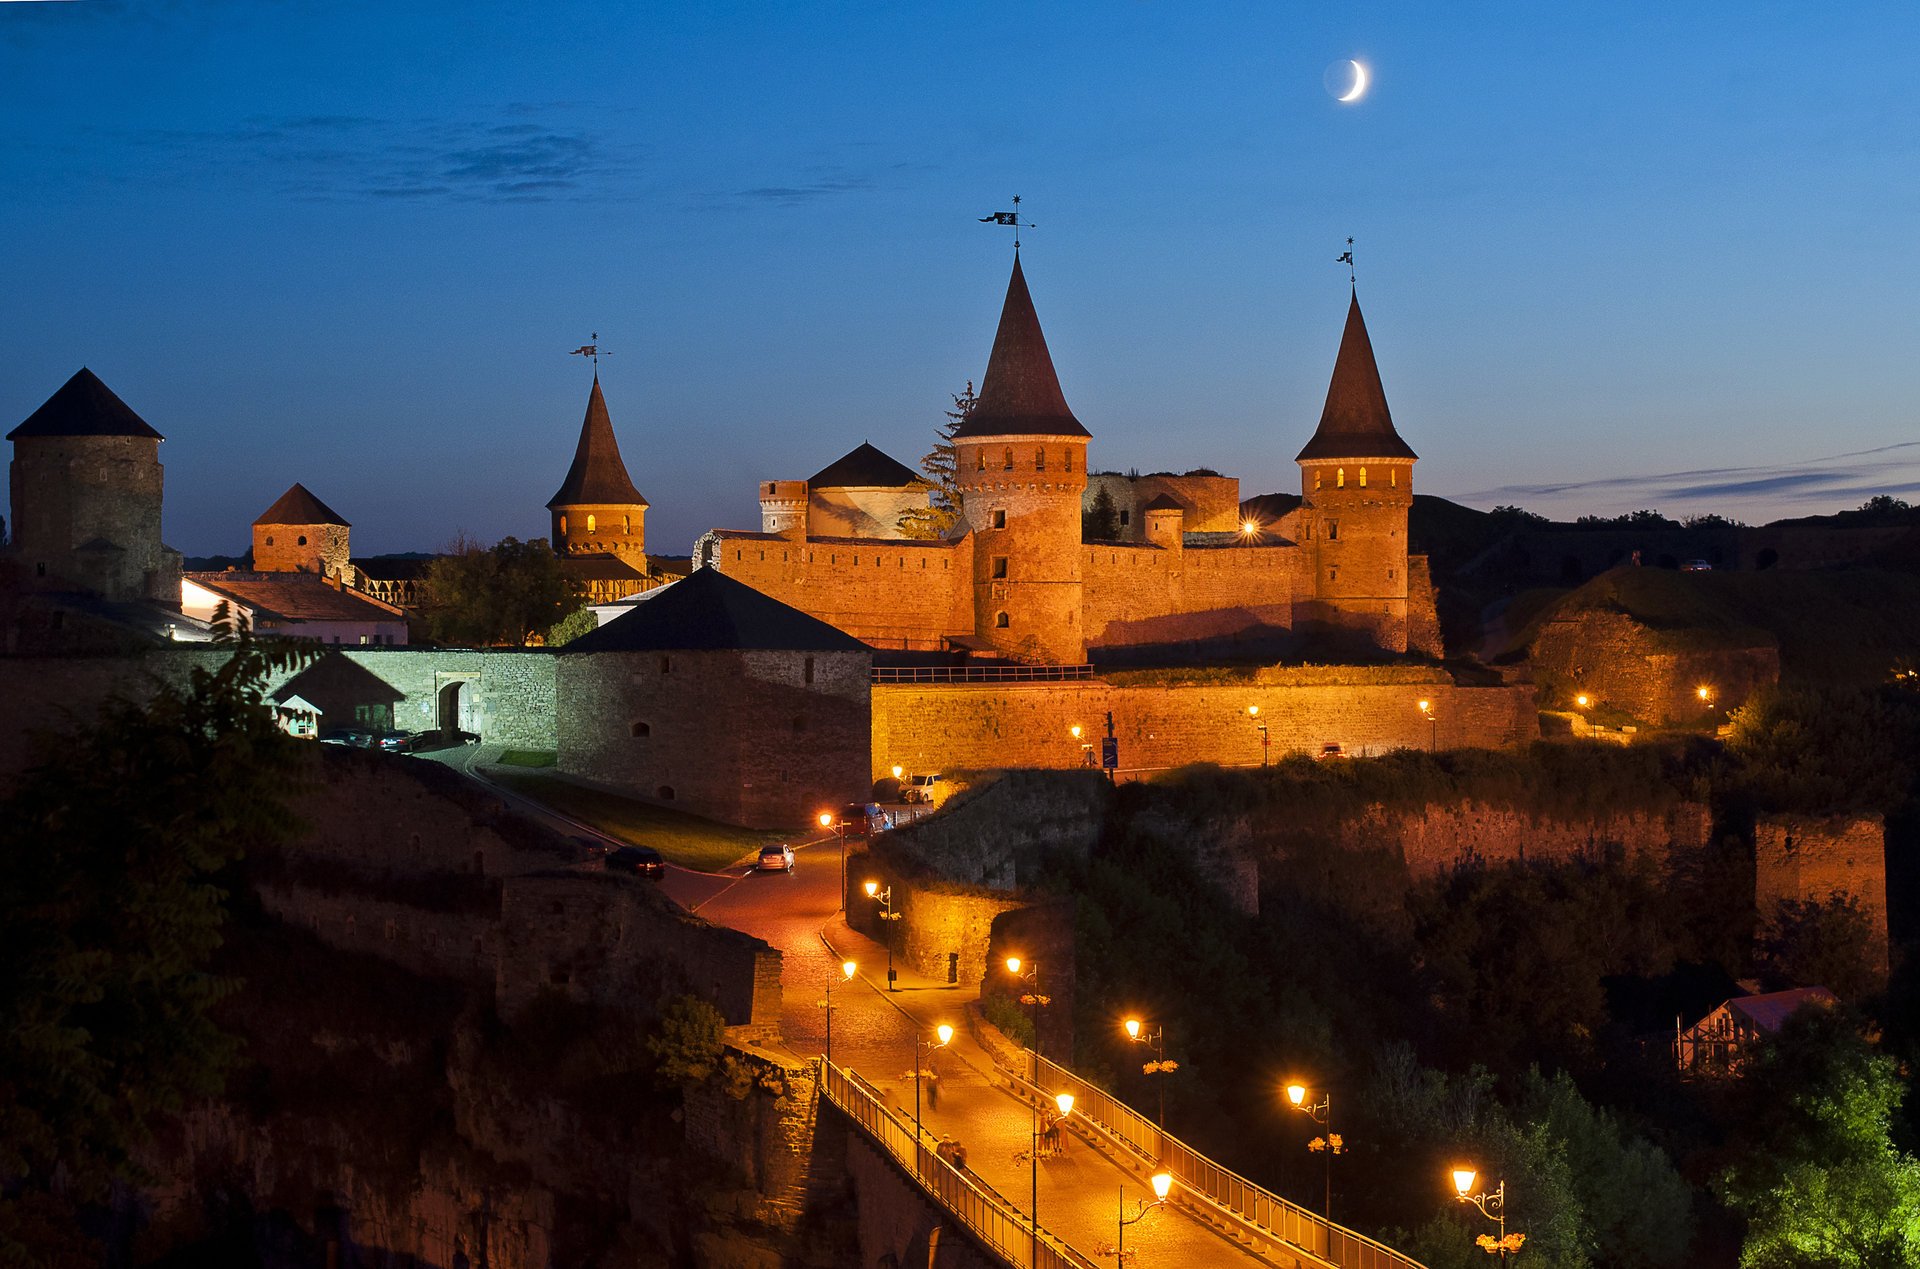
[[526, 758], [684, 839]]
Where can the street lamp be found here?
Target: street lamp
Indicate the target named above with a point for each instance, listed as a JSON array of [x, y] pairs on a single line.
[[1433, 725], [1162, 1183], [1493, 1206], [1031, 998], [923, 1051], [847, 969], [885, 899], [1065, 1102], [1253, 712], [1583, 700], [1157, 1037], [898, 771], [1321, 1112], [1705, 693], [1086, 746]]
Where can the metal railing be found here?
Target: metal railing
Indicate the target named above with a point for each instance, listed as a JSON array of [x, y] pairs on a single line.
[[981, 673], [1200, 1177], [985, 1213]]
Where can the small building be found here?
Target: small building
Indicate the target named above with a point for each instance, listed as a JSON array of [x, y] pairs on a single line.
[[1721, 1042], [295, 606], [335, 692], [301, 534], [713, 698]]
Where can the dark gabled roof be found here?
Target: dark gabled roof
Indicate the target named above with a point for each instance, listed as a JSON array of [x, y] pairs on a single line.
[[865, 468], [84, 407], [598, 478], [710, 612], [299, 506], [1021, 394], [1355, 423], [1165, 502], [333, 681]]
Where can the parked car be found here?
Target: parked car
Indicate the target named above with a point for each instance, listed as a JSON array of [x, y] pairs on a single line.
[[863, 819], [642, 861], [352, 737], [1696, 566], [776, 858], [1332, 749], [923, 788], [590, 847], [396, 741]]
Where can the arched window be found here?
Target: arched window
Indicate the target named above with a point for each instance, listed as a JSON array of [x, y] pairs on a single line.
[[592, 523], [664, 793], [980, 460], [1393, 477], [302, 541], [1363, 477], [641, 730], [1000, 621], [1333, 530], [1316, 478], [1040, 459], [269, 539], [563, 524], [1007, 465], [1339, 479]]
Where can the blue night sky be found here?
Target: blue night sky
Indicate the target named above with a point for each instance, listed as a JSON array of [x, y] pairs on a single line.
[[1642, 255]]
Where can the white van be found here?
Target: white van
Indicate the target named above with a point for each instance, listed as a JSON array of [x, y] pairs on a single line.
[[927, 789]]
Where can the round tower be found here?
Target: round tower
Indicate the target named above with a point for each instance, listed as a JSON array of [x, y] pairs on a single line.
[[783, 507], [1356, 485], [301, 534], [86, 486], [1021, 468], [597, 510]]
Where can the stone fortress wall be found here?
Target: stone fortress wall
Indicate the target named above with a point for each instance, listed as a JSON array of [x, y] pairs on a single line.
[[1815, 859], [898, 594], [1145, 594], [1211, 503], [87, 508], [1651, 675]]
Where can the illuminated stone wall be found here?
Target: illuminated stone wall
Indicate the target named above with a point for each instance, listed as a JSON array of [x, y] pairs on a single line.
[[1146, 595], [1211, 503], [1816, 859], [1651, 674], [86, 509], [303, 548], [905, 595]]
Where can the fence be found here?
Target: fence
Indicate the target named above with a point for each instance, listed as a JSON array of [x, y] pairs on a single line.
[[981, 673], [1201, 1178], [991, 1219]]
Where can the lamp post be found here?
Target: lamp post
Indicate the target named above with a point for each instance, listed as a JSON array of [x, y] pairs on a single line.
[[1031, 998], [1253, 712], [847, 969], [1065, 1102], [923, 1051], [1162, 1183], [1493, 1206], [1321, 1112], [1086, 746], [827, 824], [1433, 725], [1157, 1037], [884, 897]]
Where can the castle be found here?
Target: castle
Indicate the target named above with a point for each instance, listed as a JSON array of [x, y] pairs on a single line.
[[1017, 581]]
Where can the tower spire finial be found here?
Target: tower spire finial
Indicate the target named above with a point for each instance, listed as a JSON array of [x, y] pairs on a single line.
[[591, 351], [1010, 218], [1347, 259]]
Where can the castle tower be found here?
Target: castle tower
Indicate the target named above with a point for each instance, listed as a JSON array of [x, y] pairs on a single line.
[[86, 486], [1357, 486], [1021, 460], [301, 534], [598, 511]]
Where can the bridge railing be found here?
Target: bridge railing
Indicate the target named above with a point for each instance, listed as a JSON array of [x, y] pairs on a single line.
[[981, 673], [1200, 1176], [985, 1213]]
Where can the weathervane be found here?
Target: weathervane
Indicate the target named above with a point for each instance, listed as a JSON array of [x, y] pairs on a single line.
[[1347, 259], [591, 351], [1010, 218]]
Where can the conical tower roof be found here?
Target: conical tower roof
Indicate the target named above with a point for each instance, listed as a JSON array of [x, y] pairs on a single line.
[[598, 478], [298, 506], [1355, 423], [84, 406], [1021, 394]]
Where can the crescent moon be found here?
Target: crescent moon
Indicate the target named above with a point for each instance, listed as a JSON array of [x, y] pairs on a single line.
[[1359, 82]]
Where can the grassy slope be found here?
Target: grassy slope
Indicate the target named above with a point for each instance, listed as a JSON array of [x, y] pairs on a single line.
[[684, 839]]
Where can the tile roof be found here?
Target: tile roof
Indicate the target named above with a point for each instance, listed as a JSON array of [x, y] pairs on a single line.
[[709, 611], [84, 406], [598, 477], [1020, 395], [1355, 422], [299, 506], [295, 597], [865, 468], [334, 680], [1165, 502]]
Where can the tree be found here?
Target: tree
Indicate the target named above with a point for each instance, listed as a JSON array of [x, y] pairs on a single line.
[[503, 594], [112, 900], [1830, 943], [941, 465], [570, 627], [1100, 522], [1819, 1178]]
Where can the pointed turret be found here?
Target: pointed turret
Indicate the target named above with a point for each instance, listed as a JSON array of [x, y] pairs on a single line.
[[1021, 394], [598, 477], [1356, 422]]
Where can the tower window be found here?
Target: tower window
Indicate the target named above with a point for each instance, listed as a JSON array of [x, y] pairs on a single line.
[[641, 731], [302, 540], [1066, 460], [563, 529], [592, 524], [1000, 621], [628, 523], [769, 488], [1039, 460], [999, 517], [666, 665], [664, 793], [1340, 478], [269, 539], [1000, 567], [1333, 530], [1393, 477], [1363, 478], [1316, 479], [980, 461], [1125, 518], [1007, 465], [806, 671], [1333, 573]]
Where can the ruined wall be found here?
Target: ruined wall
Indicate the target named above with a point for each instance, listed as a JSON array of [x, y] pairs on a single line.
[[1363, 709], [762, 738], [1650, 674], [1433, 838], [1143, 595], [894, 594], [939, 920], [1814, 859]]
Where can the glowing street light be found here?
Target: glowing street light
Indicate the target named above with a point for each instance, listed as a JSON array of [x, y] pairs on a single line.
[[1705, 693], [1433, 725], [1583, 700], [898, 771], [1321, 1112], [1156, 1036], [923, 1052], [1493, 1206], [884, 897], [847, 971], [1253, 712], [1162, 1183]]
